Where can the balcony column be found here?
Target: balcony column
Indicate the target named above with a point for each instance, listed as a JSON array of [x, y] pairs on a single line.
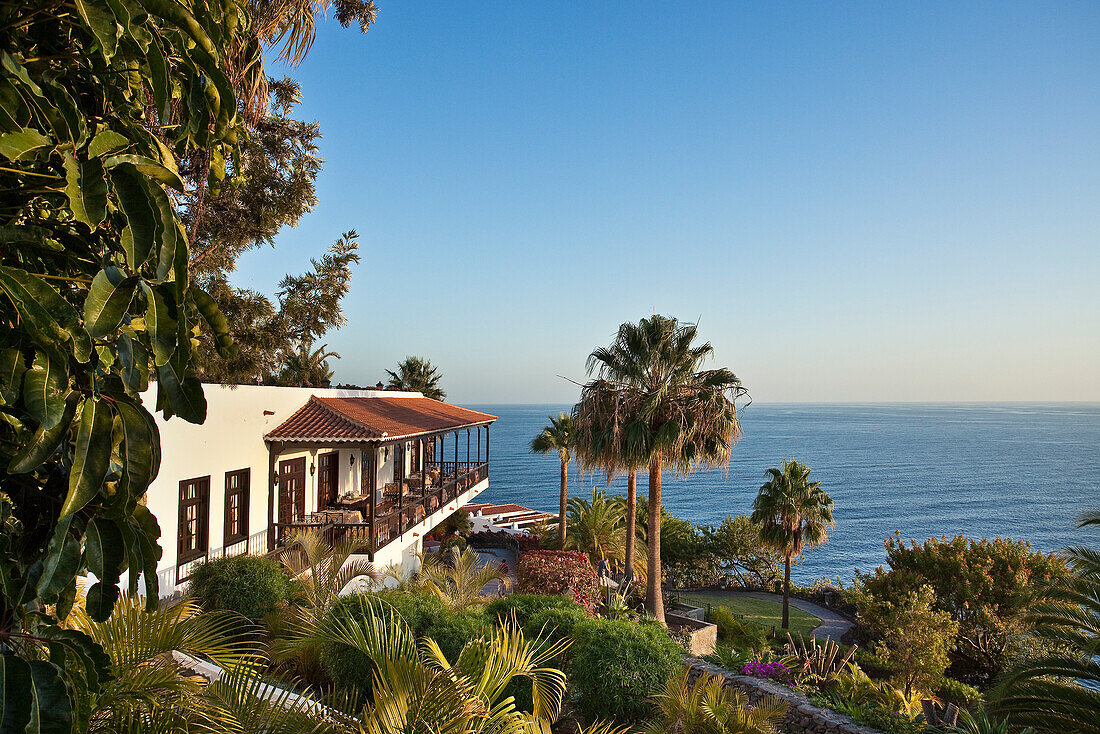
[[368, 464], [272, 457]]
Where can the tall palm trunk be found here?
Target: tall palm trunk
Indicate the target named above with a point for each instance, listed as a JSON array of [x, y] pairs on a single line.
[[564, 500], [787, 592], [654, 601], [631, 513]]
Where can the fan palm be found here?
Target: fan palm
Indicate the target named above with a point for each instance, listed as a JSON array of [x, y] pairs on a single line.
[[321, 571], [152, 687], [653, 405], [597, 526], [307, 368], [708, 707], [793, 513], [458, 582], [417, 375], [558, 437], [419, 690], [1061, 691]]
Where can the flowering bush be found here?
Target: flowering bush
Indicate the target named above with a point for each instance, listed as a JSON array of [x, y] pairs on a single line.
[[559, 572], [777, 672]]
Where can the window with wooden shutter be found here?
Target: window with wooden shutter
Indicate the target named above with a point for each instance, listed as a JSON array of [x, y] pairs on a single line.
[[236, 506], [194, 520]]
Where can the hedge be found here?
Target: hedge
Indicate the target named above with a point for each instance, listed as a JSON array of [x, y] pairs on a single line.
[[618, 665], [559, 572], [526, 606], [253, 586]]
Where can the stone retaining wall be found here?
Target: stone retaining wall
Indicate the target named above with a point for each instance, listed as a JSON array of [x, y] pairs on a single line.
[[802, 716], [702, 636]]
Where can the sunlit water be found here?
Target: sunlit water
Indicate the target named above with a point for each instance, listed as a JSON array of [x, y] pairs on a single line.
[[1015, 470]]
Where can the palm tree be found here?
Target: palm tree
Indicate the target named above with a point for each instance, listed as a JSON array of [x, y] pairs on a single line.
[[558, 436], [416, 689], [458, 581], [151, 686], [1061, 691], [307, 368], [653, 405], [793, 513], [709, 707], [417, 375], [597, 526]]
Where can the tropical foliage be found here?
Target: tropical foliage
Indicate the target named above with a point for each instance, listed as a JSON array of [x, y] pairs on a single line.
[[304, 368], [597, 526], [793, 513], [459, 578], [912, 636], [98, 298], [651, 404], [252, 586], [1061, 691], [707, 706], [985, 585], [417, 375], [558, 438]]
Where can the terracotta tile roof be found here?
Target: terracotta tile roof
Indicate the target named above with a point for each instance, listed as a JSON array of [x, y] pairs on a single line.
[[373, 419]]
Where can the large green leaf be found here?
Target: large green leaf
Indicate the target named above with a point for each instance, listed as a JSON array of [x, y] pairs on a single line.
[[167, 235], [108, 299], [141, 215], [103, 25], [91, 455], [17, 690], [159, 79], [223, 342], [104, 555], [44, 442], [87, 190], [12, 367], [95, 665], [15, 146], [14, 114], [160, 322], [29, 234], [62, 560], [145, 553], [106, 141], [52, 707], [151, 168], [45, 386], [140, 434], [183, 391], [133, 359], [49, 318]]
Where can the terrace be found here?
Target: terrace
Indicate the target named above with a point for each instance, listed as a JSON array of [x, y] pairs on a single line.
[[388, 467]]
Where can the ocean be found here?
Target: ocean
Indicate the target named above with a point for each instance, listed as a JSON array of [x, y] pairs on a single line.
[[1022, 471]]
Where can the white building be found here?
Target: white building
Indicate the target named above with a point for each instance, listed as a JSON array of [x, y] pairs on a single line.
[[382, 466]]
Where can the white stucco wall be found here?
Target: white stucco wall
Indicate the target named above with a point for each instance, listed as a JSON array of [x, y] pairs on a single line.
[[232, 439]]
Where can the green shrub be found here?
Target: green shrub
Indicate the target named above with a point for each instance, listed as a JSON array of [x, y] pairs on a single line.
[[453, 630], [741, 634], [555, 623], [352, 669], [253, 586], [526, 606], [618, 665], [959, 693]]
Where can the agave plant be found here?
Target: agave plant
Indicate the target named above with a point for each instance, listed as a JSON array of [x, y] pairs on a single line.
[[708, 707], [458, 580], [818, 662]]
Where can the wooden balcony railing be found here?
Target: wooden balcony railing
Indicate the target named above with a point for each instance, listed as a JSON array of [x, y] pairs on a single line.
[[399, 511]]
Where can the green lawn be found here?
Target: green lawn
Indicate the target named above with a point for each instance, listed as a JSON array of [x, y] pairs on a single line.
[[760, 611]]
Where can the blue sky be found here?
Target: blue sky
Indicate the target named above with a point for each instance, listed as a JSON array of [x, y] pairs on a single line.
[[860, 201]]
